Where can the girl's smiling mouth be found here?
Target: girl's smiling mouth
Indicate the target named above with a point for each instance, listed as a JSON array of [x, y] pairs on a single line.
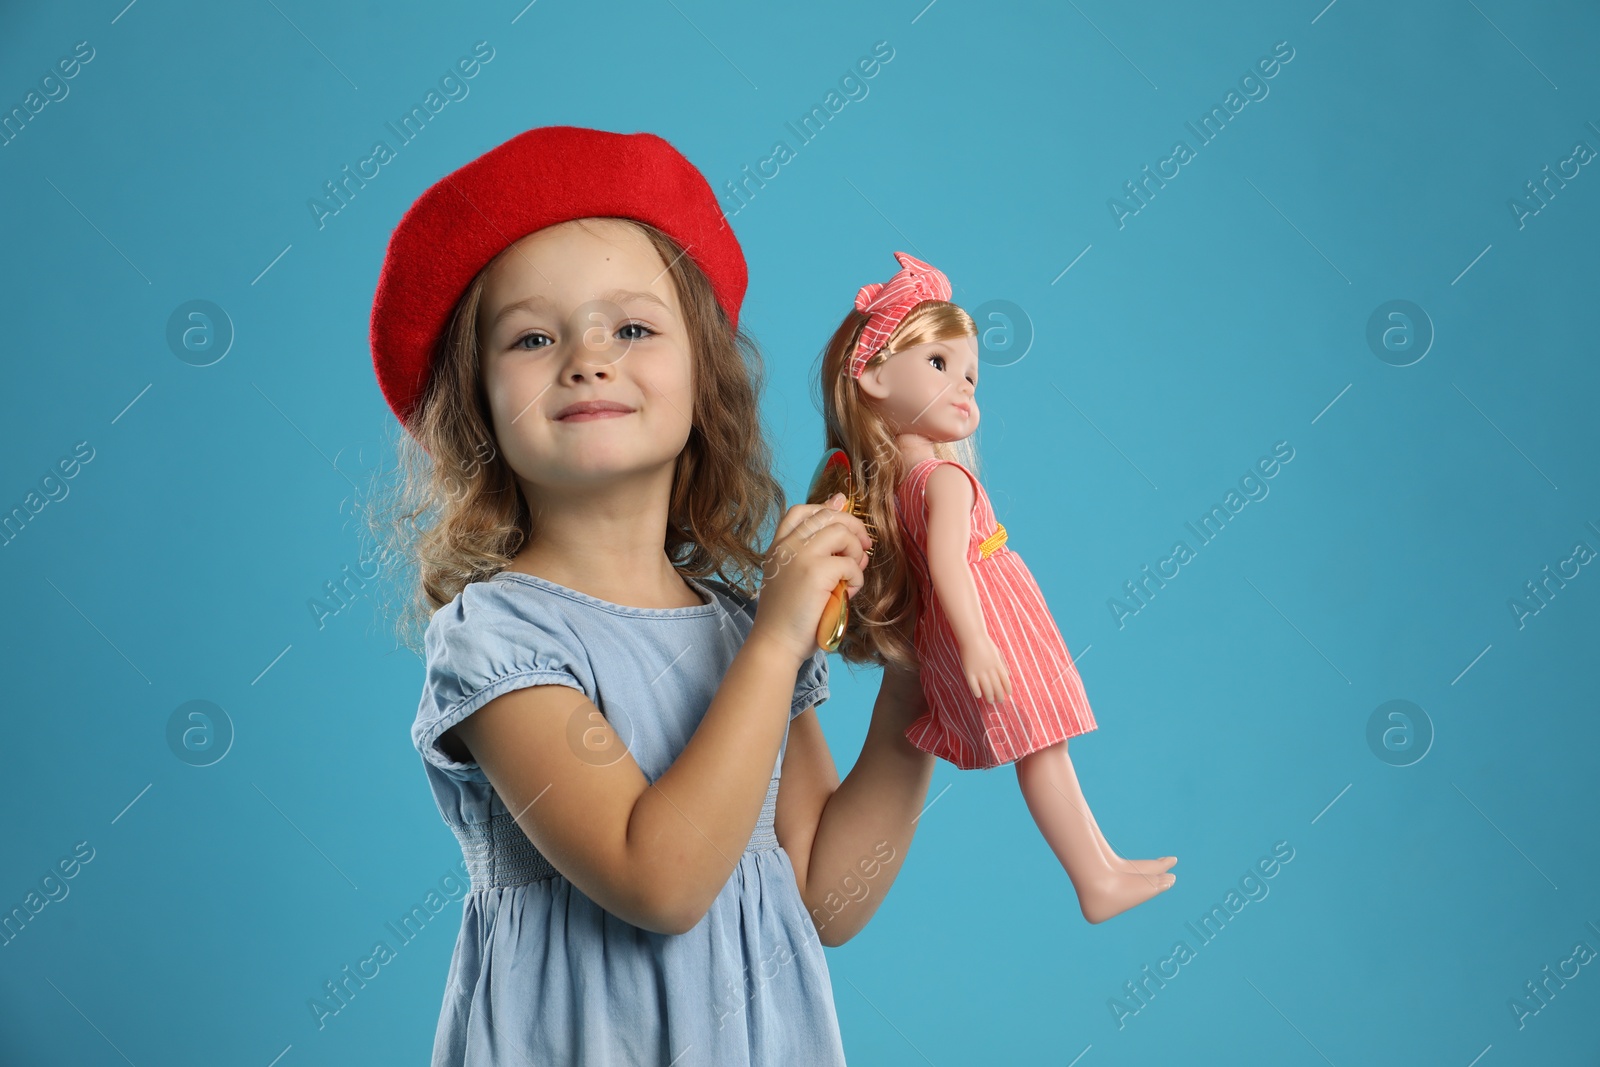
[[588, 410]]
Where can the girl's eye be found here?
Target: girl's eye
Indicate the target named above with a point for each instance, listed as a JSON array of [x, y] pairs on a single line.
[[629, 331]]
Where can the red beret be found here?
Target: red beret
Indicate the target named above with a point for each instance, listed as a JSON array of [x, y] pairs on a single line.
[[537, 179]]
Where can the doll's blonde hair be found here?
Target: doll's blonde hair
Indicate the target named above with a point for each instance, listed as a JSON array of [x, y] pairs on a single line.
[[458, 515], [883, 611]]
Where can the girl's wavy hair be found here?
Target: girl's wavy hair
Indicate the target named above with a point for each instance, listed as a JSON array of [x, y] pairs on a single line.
[[455, 514], [883, 611]]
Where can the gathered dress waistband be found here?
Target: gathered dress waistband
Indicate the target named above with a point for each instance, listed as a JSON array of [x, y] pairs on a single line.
[[499, 855]]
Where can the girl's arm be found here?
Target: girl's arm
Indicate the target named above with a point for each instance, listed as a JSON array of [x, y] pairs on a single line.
[[652, 854], [657, 854], [848, 840]]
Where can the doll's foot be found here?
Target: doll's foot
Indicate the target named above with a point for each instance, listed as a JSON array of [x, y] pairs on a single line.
[[1159, 866], [1115, 892]]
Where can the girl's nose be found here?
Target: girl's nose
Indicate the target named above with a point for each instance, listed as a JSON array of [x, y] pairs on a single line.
[[583, 365], [588, 358]]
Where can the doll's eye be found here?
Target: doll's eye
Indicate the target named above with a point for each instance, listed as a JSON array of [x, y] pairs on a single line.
[[937, 361]]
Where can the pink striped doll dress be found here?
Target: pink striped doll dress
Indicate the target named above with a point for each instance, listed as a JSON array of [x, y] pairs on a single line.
[[1047, 702]]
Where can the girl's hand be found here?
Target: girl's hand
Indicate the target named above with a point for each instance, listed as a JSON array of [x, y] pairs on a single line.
[[815, 547], [986, 671]]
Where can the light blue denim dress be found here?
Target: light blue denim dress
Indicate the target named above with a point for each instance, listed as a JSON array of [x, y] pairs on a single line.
[[543, 975]]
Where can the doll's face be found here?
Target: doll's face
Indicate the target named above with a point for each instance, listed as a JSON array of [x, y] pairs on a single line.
[[927, 389], [585, 311]]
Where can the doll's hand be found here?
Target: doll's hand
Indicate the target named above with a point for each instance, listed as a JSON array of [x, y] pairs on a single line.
[[985, 668]]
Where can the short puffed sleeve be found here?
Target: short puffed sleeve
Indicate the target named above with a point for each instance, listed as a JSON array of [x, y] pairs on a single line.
[[811, 685], [480, 645], [811, 681]]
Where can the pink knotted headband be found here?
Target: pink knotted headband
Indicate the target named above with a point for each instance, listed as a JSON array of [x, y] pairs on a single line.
[[886, 303]]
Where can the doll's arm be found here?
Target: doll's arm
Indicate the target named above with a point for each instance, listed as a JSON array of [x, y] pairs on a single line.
[[949, 497]]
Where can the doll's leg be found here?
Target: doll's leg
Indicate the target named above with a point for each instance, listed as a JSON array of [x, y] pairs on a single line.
[[1050, 787], [1117, 862]]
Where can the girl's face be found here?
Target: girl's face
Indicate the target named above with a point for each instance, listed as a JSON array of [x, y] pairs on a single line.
[[928, 389], [582, 312]]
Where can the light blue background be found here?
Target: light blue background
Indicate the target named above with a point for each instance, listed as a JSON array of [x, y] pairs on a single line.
[[1229, 314]]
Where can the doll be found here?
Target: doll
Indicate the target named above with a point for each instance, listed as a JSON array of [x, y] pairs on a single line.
[[943, 590]]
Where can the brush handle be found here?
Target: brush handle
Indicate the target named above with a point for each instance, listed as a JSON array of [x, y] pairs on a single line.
[[830, 631]]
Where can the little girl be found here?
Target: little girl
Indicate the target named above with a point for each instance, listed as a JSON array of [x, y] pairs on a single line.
[[899, 379], [606, 715]]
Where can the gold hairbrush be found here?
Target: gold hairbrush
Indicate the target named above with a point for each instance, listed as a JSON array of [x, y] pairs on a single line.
[[833, 476]]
